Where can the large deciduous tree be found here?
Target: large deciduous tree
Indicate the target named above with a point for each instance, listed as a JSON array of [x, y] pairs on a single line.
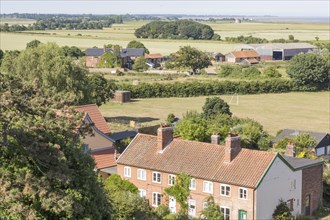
[[48, 66], [137, 44], [214, 106], [309, 70], [44, 173], [192, 58], [140, 64]]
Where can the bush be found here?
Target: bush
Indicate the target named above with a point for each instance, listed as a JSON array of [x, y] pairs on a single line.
[[282, 212], [272, 72], [251, 72], [230, 70], [207, 88]]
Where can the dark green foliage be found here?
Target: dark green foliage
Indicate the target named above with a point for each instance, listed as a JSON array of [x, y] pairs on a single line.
[[192, 127], [192, 58], [309, 70], [207, 88], [170, 118], [137, 44], [214, 106], [272, 72], [180, 190], [100, 89], [72, 52], [251, 72], [212, 211], [44, 172], [140, 64], [122, 144], [125, 199], [246, 40], [2, 54], [230, 70], [48, 67], [179, 29], [282, 212], [33, 44], [291, 37], [196, 127], [69, 22], [216, 37]]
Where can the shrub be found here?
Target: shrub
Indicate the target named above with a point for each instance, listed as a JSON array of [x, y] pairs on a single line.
[[272, 72], [251, 72], [282, 212]]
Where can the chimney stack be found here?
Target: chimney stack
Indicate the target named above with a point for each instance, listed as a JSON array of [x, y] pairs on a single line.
[[232, 148], [290, 149], [164, 137], [215, 138]]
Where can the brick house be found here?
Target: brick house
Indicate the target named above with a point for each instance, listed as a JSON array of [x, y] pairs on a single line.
[[154, 60], [98, 143], [243, 56], [241, 181], [93, 56]]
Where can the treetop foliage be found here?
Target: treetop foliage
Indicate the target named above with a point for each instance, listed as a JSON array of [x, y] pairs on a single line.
[[214, 106], [44, 172], [137, 44], [179, 29]]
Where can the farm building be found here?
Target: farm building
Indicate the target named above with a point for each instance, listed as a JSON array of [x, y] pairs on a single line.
[[279, 51], [244, 56], [154, 60]]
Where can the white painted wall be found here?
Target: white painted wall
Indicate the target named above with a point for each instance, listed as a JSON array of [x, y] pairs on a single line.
[[278, 184]]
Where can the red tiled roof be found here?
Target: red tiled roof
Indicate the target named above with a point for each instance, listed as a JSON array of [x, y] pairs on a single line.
[[200, 160], [96, 116], [245, 54], [252, 60], [105, 158], [153, 56]]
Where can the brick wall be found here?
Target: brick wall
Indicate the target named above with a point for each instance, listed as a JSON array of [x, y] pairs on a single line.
[[233, 202], [312, 185], [91, 61]]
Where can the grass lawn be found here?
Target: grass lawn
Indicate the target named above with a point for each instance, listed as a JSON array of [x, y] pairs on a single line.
[[305, 111]]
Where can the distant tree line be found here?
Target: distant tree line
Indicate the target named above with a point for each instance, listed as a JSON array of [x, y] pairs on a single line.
[[179, 29], [65, 22], [256, 40]]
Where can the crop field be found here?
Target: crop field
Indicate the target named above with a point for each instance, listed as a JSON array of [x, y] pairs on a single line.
[[123, 33], [305, 111]]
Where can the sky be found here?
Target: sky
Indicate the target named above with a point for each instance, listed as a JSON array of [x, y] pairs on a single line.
[[294, 8]]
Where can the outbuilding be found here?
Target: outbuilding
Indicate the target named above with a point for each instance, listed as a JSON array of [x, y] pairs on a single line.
[[279, 51]]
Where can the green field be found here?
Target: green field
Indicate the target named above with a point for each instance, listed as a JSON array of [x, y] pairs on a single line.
[[123, 33], [305, 111]]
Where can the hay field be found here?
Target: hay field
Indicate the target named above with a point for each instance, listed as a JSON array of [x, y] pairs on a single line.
[[123, 33], [305, 111]]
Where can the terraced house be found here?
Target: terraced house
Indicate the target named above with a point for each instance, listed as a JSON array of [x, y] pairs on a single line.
[[246, 184]]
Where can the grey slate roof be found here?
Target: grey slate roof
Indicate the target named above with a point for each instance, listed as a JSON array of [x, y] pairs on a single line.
[[300, 163], [319, 137], [97, 52], [122, 135], [280, 46], [131, 52]]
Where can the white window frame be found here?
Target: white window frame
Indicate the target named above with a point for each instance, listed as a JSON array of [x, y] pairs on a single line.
[[192, 186], [209, 183], [127, 172], [171, 179], [246, 193], [143, 173], [142, 193], [154, 202], [160, 177], [225, 216], [225, 188]]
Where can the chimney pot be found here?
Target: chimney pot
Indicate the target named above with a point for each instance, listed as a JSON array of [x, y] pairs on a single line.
[[215, 138]]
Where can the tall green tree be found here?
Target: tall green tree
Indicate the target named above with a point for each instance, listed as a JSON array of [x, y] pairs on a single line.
[[214, 106], [2, 54], [212, 210], [192, 58], [140, 64], [125, 199], [137, 44], [47, 66], [43, 171], [33, 44], [100, 89], [309, 69]]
